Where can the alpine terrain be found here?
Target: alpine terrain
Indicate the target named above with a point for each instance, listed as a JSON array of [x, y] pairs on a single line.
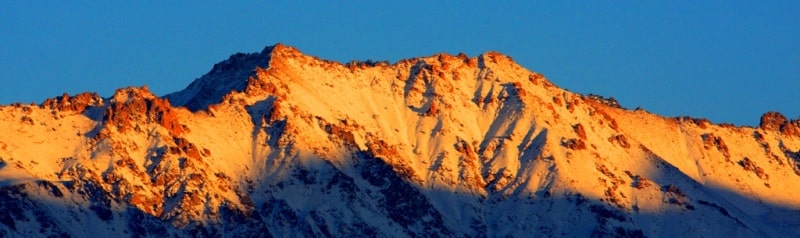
[[282, 144]]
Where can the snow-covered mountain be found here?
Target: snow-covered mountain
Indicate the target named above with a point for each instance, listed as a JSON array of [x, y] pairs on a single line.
[[283, 144]]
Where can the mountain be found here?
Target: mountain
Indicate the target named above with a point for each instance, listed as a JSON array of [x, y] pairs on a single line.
[[279, 143]]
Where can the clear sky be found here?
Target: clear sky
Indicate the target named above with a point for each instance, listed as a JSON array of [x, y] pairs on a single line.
[[728, 61]]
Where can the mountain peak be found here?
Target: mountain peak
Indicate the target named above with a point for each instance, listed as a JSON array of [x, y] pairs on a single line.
[[279, 143], [224, 77], [281, 49]]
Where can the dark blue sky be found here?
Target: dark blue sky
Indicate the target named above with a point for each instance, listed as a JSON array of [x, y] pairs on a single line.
[[728, 61]]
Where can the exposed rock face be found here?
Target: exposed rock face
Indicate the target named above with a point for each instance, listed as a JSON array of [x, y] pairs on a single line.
[[279, 143]]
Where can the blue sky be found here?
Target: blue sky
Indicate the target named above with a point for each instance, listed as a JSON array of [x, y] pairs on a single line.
[[728, 61]]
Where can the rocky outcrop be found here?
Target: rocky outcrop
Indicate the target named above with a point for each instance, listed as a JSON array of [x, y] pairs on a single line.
[[131, 108], [775, 121], [77, 103]]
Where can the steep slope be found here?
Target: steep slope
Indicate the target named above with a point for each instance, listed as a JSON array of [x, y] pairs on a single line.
[[279, 143]]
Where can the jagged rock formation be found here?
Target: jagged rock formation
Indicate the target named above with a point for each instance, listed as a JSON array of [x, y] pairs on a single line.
[[279, 143]]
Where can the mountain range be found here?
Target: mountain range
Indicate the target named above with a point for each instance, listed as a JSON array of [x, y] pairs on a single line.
[[282, 144]]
